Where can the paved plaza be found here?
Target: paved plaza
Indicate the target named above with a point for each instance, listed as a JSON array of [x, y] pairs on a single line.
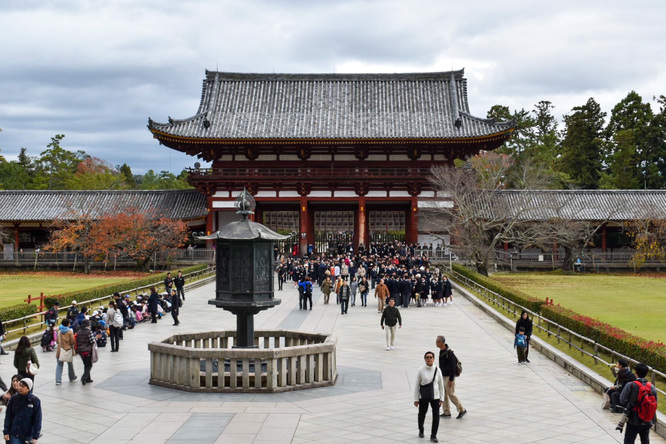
[[371, 401]]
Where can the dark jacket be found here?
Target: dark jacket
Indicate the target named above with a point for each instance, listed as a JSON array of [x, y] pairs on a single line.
[[23, 417], [344, 292], [153, 299], [179, 281], [390, 316], [447, 363], [21, 359], [624, 376], [526, 324], [84, 340], [629, 399]]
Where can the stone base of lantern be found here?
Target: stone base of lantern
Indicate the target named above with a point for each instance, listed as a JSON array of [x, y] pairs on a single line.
[[209, 362]]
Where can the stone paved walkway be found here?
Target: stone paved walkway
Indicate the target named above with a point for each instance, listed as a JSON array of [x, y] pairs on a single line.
[[371, 401]]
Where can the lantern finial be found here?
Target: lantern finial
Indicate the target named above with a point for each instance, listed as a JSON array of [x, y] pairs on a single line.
[[245, 203]]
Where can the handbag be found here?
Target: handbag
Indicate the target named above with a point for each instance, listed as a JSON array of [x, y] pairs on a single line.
[[66, 355], [606, 403], [428, 390], [94, 353], [31, 368]]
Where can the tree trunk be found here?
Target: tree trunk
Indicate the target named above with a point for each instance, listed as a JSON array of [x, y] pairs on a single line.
[[567, 262]]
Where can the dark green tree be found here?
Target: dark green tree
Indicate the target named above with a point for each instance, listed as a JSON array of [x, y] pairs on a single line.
[[522, 137], [56, 164], [126, 171], [629, 154], [655, 171], [582, 146]]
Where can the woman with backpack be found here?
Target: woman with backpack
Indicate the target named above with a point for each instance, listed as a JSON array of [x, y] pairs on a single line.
[[24, 353]]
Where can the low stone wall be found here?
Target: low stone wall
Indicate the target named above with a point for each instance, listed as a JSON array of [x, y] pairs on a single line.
[[207, 362]]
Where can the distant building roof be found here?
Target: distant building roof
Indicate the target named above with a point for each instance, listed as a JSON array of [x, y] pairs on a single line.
[[17, 206], [356, 107], [592, 205]]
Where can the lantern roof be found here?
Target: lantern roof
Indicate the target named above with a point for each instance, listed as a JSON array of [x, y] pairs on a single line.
[[245, 229]]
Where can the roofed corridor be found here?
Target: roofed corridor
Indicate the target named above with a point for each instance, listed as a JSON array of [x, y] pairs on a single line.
[[371, 401]]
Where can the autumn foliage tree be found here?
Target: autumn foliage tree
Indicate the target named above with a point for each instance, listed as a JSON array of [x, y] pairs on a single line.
[[131, 233], [139, 235], [75, 234], [648, 237]]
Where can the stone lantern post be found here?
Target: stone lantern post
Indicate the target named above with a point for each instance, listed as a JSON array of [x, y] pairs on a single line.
[[244, 263]]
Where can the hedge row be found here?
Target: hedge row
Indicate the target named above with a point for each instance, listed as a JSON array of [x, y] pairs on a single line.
[[21, 310], [651, 352]]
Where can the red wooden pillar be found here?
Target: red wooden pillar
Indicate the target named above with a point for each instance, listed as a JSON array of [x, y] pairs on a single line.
[[506, 247], [304, 220], [362, 222], [412, 222], [210, 220]]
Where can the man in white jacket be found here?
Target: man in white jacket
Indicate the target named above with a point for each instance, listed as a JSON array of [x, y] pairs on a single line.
[[429, 375]]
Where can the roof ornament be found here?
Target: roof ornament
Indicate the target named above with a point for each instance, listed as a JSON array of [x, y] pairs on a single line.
[[245, 204], [455, 109]]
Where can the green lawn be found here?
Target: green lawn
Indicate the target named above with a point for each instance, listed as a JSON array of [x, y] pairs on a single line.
[[636, 304], [17, 286]]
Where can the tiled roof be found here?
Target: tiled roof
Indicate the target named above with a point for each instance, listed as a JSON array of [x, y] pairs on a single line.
[[332, 106], [53, 205], [592, 205]]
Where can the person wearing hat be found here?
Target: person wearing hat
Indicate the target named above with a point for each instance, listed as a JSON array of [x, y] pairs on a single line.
[[23, 420], [73, 312], [84, 348]]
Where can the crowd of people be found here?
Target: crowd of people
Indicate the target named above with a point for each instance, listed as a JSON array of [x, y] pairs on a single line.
[[394, 270], [81, 332]]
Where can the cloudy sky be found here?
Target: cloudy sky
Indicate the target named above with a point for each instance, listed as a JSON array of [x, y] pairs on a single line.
[[97, 70]]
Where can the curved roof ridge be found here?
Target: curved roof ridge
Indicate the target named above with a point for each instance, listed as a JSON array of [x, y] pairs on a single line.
[[152, 123], [310, 77], [488, 121]]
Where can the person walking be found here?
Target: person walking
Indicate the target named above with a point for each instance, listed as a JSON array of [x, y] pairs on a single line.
[[326, 288], [353, 287], [24, 353], [179, 282], [175, 306], [84, 348], [306, 288], [153, 299], [363, 289], [115, 324], [168, 283], [526, 323], [65, 352], [23, 420], [381, 293], [344, 293], [391, 317], [448, 363], [429, 392]]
